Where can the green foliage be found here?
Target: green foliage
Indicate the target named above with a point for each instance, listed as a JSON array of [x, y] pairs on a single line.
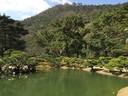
[[89, 12], [15, 57], [95, 44], [102, 61], [91, 63], [73, 36], [63, 37], [34, 60], [65, 61], [119, 63], [72, 61], [19, 58], [53, 61], [106, 35], [10, 34], [1, 61], [94, 33], [34, 25]]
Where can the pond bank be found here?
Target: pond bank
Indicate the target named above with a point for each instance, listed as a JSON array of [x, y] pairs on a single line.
[[102, 71], [14, 69], [47, 66]]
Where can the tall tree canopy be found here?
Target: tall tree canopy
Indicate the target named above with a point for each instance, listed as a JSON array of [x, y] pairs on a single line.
[[10, 33], [106, 35], [92, 32], [63, 37]]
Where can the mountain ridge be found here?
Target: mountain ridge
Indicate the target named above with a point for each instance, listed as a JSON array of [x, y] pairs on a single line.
[[59, 11]]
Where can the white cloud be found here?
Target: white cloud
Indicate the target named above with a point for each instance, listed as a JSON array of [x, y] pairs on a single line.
[[61, 1], [25, 16], [21, 9], [23, 6]]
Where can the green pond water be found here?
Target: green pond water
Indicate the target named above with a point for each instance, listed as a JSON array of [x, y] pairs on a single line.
[[62, 83]]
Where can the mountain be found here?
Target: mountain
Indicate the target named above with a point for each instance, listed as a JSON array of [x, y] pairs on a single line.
[[88, 12]]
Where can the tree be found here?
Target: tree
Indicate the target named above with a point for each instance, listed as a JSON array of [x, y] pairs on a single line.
[[107, 36], [62, 38], [95, 44], [10, 33]]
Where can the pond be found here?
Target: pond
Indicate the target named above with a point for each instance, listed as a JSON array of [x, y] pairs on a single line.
[[62, 83]]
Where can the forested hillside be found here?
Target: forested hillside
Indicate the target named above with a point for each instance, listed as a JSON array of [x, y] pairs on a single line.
[[88, 12], [79, 30]]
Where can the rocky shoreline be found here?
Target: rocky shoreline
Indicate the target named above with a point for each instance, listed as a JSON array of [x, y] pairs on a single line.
[[102, 71], [15, 69]]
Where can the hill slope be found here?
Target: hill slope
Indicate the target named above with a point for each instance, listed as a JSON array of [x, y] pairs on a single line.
[[89, 13]]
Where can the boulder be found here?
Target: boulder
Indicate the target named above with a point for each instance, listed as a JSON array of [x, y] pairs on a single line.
[[123, 92]]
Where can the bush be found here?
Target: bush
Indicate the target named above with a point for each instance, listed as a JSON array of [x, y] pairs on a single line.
[[34, 60], [102, 61], [15, 57], [65, 61], [72, 61], [119, 63], [91, 63]]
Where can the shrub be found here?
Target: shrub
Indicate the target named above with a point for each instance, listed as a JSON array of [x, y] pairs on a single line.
[[102, 61], [34, 60]]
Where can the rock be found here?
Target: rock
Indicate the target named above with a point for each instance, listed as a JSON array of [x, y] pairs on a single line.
[[14, 69], [123, 92]]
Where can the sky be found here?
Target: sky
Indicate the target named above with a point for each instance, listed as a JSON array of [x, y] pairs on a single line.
[[22, 9]]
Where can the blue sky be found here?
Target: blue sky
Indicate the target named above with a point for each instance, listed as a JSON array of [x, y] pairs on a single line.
[[100, 2], [21, 9]]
